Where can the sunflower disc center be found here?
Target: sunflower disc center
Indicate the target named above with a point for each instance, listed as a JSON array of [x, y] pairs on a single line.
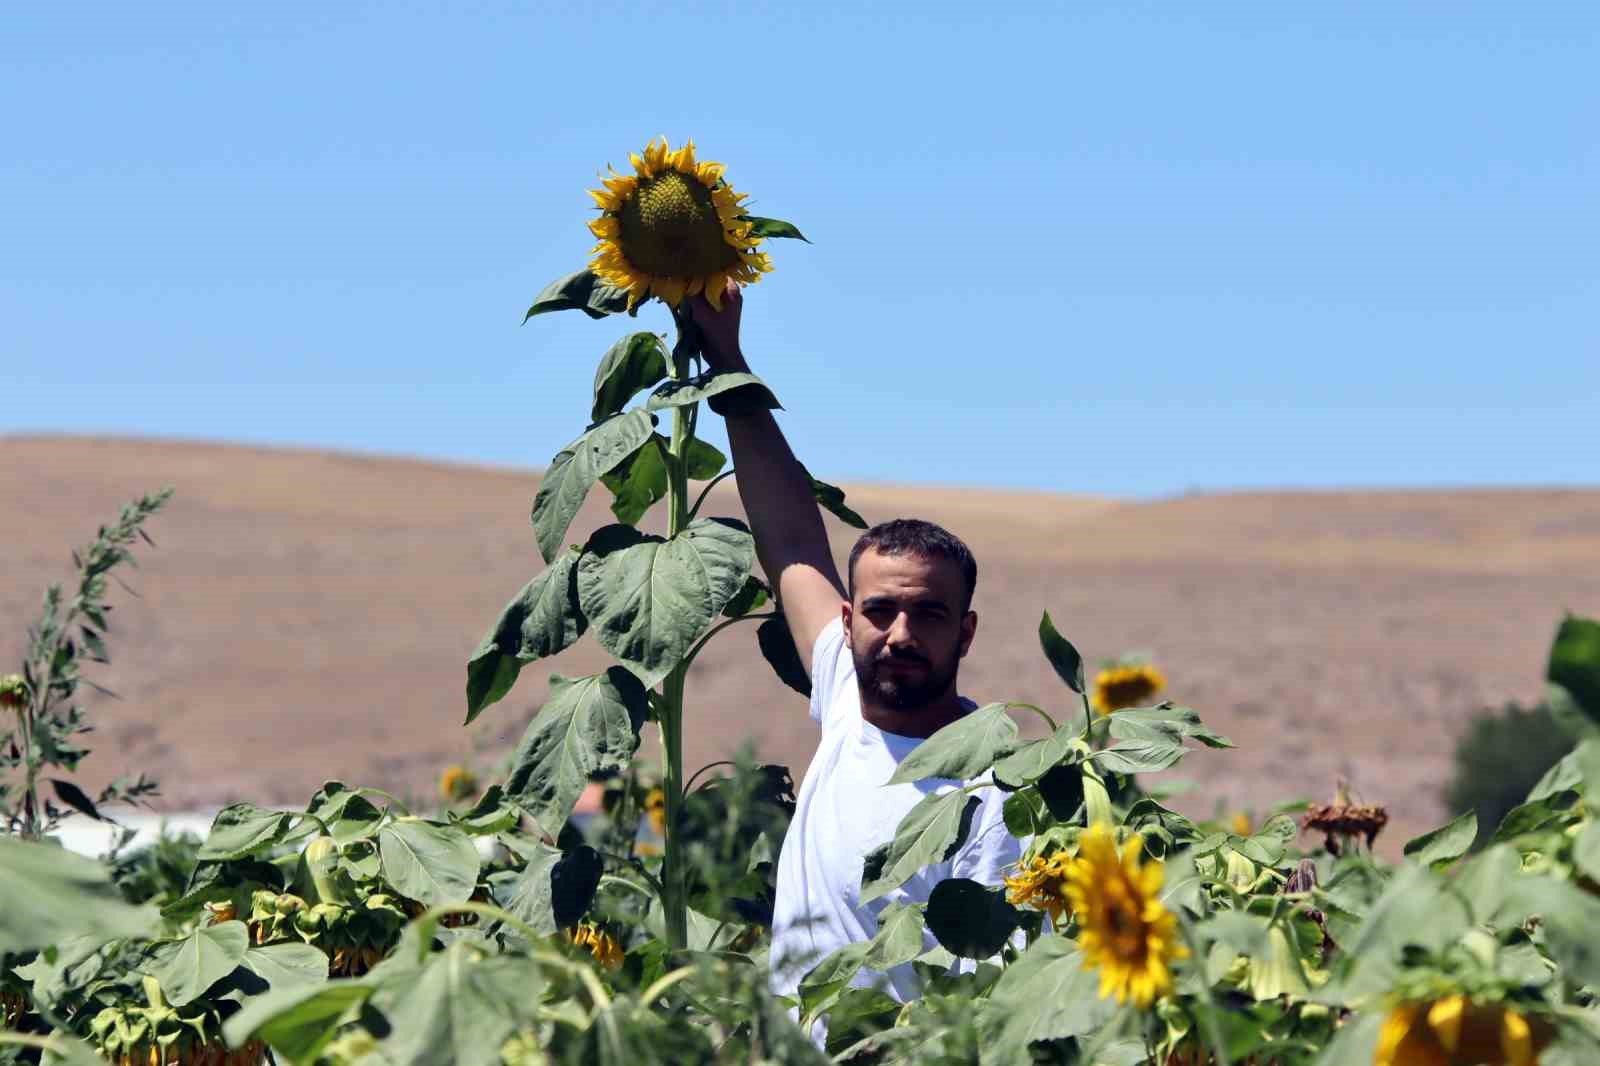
[[670, 228]]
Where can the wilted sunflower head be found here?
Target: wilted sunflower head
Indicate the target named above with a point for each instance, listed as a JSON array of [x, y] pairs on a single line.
[[673, 228], [457, 784], [655, 808], [605, 948], [1126, 684], [1454, 1031], [1125, 931], [1041, 882], [13, 692]]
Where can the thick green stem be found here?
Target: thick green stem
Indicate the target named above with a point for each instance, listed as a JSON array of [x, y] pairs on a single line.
[[674, 886], [32, 816]]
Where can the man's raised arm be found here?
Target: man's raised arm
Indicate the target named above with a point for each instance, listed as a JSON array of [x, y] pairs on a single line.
[[775, 489]]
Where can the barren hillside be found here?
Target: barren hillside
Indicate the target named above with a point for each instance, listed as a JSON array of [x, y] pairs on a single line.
[[308, 615]]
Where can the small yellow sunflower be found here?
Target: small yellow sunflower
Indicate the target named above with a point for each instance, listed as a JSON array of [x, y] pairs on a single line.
[[605, 948], [457, 784], [1125, 685], [655, 808], [1453, 1031], [1042, 883], [673, 229], [1240, 824], [1125, 931]]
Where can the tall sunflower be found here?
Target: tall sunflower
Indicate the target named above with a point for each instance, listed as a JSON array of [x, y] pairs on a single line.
[[1125, 931], [673, 228], [1453, 1031], [1126, 684]]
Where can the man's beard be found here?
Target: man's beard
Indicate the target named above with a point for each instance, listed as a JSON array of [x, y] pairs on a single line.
[[902, 693]]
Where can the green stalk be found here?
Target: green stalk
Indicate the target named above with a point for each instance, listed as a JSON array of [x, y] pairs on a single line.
[[674, 901], [33, 818]]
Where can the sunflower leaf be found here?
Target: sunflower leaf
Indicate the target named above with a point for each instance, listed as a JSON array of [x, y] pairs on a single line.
[[630, 366], [581, 291], [542, 619], [704, 386], [962, 749], [1064, 658], [575, 469], [777, 647], [1575, 662], [590, 726], [931, 832], [831, 499], [1047, 994], [773, 227], [971, 921], [649, 599]]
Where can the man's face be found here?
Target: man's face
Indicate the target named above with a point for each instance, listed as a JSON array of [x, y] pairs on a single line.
[[908, 628]]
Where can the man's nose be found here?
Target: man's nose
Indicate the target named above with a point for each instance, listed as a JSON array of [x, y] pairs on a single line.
[[899, 635]]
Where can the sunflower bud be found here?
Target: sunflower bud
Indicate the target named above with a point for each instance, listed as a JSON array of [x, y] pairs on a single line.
[[13, 692]]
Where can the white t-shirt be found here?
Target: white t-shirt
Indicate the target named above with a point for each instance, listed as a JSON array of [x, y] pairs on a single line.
[[845, 810]]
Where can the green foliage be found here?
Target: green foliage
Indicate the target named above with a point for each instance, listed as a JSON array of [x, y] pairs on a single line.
[[72, 628], [1500, 758]]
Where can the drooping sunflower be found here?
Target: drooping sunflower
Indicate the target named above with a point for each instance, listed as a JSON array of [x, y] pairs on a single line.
[[655, 808], [1125, 685], [1125, 931], [673, 228], [1454, 1031], [457, 784], [605, 948], [1041, 882]]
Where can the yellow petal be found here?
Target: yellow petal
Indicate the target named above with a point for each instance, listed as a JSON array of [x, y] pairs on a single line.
[[1516, 1039], [1444, 1018], [710, 173], [605, 226], [638, 164], [604, 200]]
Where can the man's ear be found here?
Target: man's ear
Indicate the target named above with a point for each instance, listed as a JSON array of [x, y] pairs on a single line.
[[969, 629], [844, 616]]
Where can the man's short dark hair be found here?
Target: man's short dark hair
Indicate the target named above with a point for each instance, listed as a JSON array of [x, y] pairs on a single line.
[[913, 536]]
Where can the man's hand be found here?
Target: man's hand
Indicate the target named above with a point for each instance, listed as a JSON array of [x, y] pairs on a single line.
[[719, 330]]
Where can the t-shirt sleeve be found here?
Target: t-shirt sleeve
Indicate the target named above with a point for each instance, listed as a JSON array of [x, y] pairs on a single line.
[[833, 672]]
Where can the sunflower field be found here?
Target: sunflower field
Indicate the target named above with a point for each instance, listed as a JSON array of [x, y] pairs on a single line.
[[499, 929]]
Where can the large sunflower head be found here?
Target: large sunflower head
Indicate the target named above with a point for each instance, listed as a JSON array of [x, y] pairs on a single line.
[[1041, 882], [1454, 1031], [1126, 684], [673, 228], [1125, 931]]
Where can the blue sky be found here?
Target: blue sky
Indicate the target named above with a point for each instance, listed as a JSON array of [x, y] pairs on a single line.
[[1119, 248]]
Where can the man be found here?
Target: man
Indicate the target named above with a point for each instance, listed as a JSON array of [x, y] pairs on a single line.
[[882, 657]]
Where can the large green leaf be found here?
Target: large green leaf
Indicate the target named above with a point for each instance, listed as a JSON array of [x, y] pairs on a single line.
[[1064, 658], [1440, 847], [543, 619], [822, 986], [198, 961], [1139, 757], [589, 726], [1534, 815], [242, 829], [1047, 994], [432, 864], [641, 480], [963, 749], [1166, 722], [287, 965], [649, 598], [931, 832], [1036, 758], [460, 1009], [52, 894], [555, 888], [971, 921], [295, 1021], [1575, 662], [575, 469], [632, 365], [831, 499], [899, 938], [773, 227], [704, 386], [777, 647], [581, 291]]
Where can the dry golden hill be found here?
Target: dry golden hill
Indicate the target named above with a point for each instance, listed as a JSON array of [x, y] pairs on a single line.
[[308, 615]]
